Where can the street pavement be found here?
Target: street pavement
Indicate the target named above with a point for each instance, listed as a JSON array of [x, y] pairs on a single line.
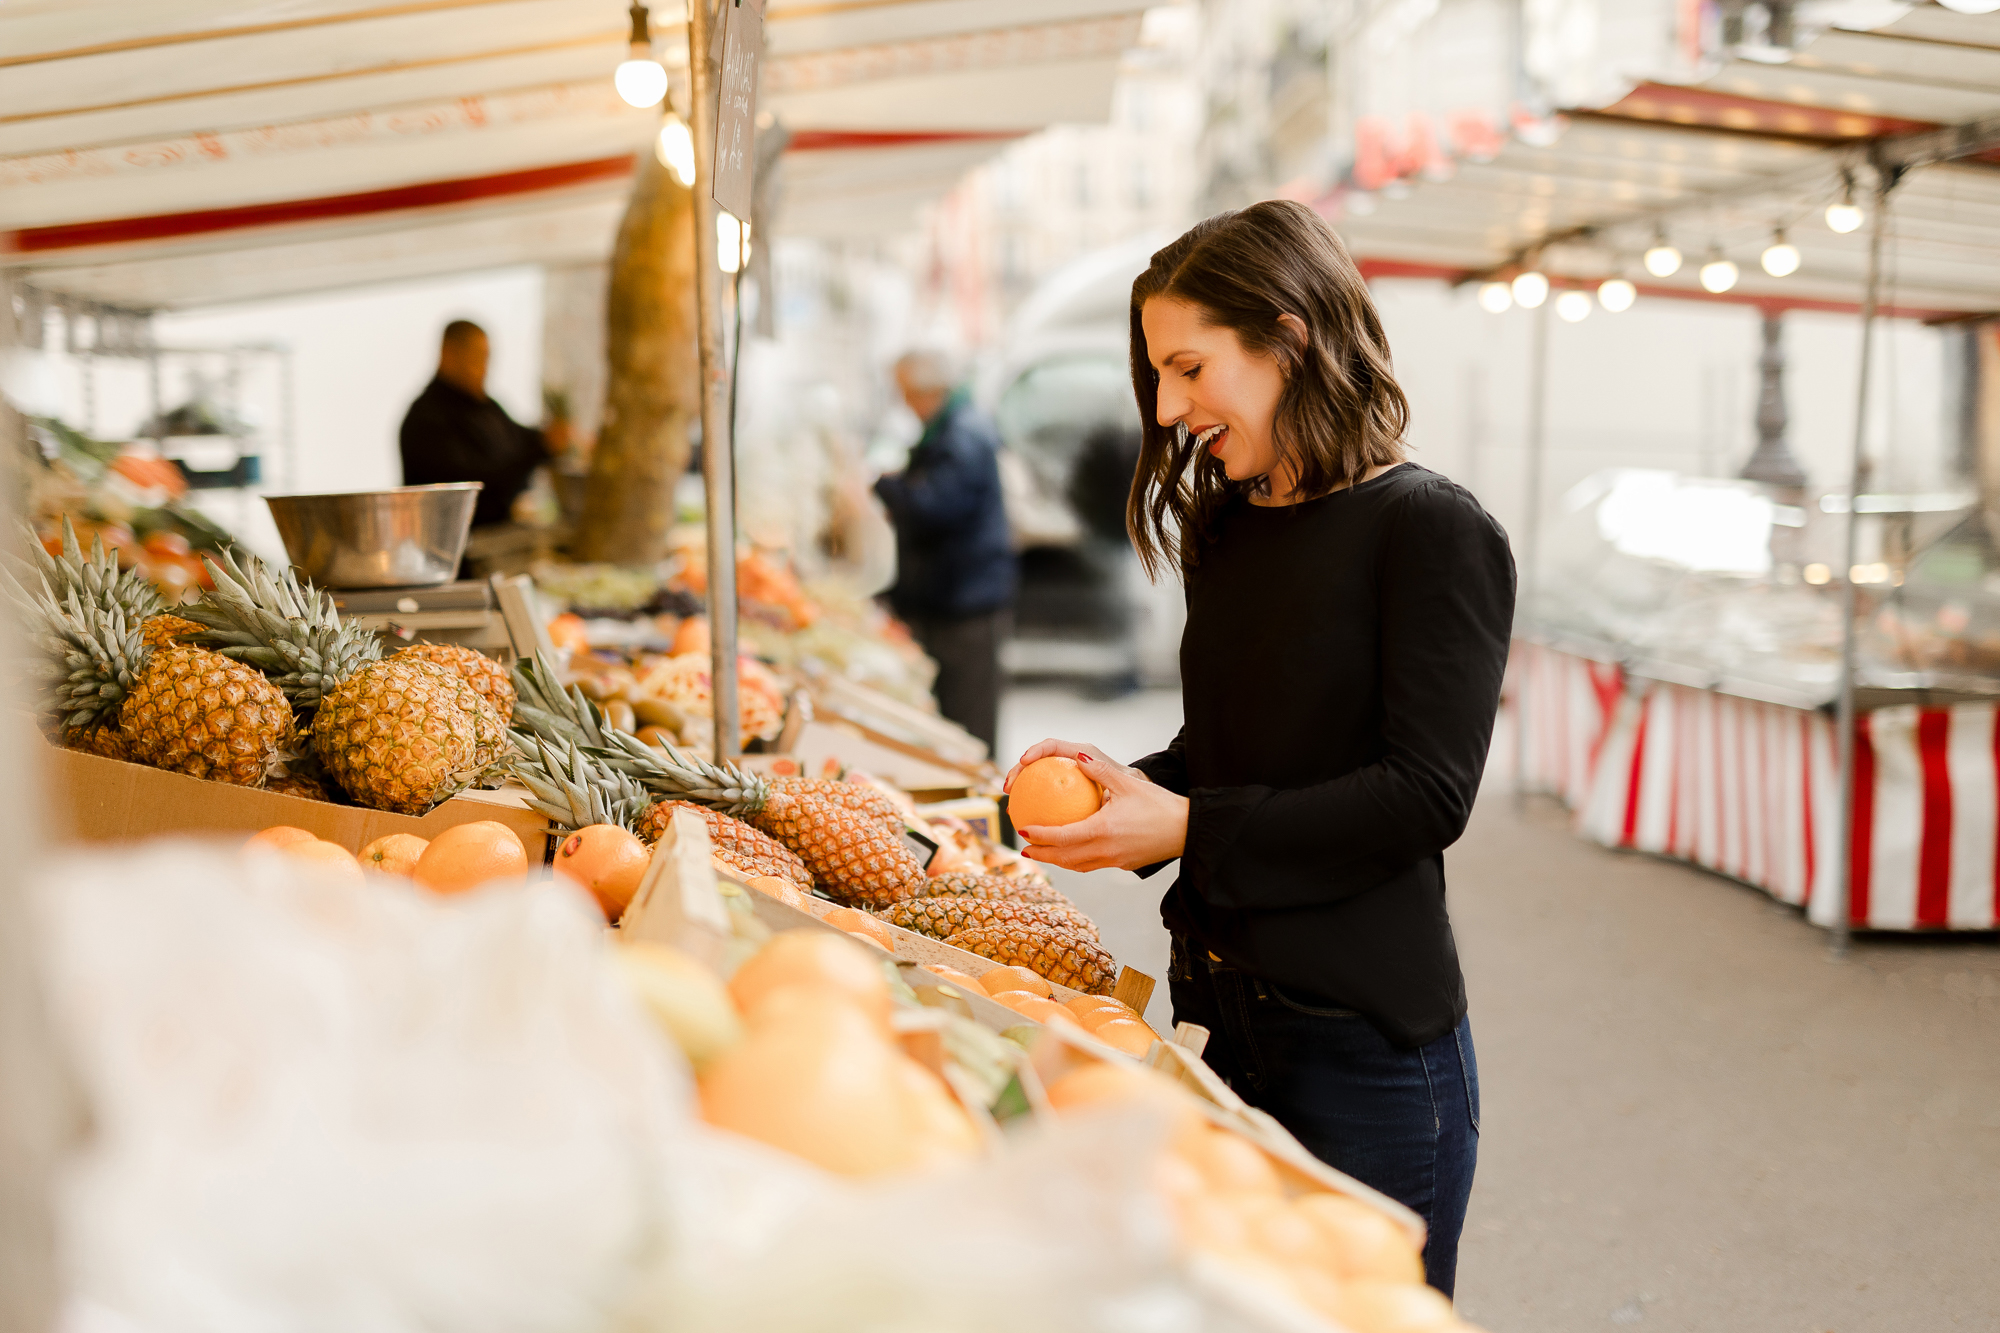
[[1695, 1119]]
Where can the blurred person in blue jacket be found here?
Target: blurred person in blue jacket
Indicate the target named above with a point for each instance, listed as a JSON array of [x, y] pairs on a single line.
[[955, 571]]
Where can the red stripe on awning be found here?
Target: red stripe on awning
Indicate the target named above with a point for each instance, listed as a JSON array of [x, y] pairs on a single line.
[[1662, 104], [430, 194], [807, 141]]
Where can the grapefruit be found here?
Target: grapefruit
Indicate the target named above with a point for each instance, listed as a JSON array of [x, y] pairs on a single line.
[[466, 856], [394, 854], [609, 861], [1052, 791]]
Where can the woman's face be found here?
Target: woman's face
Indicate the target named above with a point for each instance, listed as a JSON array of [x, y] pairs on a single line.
[[1225, 394]]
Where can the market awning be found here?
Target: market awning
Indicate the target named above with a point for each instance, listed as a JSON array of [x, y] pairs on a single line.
[[217, 150], [1720, 164]]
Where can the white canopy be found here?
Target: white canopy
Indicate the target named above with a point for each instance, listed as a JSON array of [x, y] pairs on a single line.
[[186, 152]]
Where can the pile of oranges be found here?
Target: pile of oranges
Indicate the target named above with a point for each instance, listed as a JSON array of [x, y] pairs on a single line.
[[462, 857]]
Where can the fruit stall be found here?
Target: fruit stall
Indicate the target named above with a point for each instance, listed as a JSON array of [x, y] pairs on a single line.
[[1681, 698], [602, 1025]]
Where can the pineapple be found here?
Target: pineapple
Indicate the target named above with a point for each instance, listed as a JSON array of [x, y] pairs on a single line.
[[1055, 954], [850, 837], [481, 672], [941, 917], [1018, 888], [744, 847], [177, 707], [401, 734], [299, 785], [165, 628]]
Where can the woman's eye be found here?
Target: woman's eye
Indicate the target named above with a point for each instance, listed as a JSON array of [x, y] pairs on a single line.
[[1191, 373]]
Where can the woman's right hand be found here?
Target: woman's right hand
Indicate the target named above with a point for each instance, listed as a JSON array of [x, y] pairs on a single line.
[[1138, 825]]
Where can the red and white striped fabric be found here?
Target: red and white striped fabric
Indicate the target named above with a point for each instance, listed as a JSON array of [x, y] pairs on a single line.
[[1569, 701], [1748, 789]]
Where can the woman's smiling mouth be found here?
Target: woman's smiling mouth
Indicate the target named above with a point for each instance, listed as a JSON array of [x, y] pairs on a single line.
[[1212, 439]]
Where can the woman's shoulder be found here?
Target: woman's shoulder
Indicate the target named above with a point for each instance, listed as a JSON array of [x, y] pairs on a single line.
[[1430, 502]]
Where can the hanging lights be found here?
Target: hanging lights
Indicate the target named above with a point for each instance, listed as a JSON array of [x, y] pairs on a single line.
[[640, 79]]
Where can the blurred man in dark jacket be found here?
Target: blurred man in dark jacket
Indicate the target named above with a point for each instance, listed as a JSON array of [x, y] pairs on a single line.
[[954, 561], [454, 432]]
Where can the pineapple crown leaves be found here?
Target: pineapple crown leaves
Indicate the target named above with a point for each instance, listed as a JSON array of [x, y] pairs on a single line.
[[290, 632], [544, 710], [96, 578], [574, 790], [97, 655]]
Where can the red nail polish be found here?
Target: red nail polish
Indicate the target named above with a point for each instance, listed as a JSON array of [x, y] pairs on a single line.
[[1082, 758]]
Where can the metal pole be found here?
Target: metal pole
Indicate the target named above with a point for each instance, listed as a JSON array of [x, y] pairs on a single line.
[[1531, 521], [717, 449], [1850, 633]]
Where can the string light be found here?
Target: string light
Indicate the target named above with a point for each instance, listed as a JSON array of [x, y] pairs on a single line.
[[1781, 257], [1616, 295], [1845, 215], [1662, 260], [640, 79], [1530, 289], [1495, 297], [675, 148], [1718, 275], [1573, 306], [732, 241]]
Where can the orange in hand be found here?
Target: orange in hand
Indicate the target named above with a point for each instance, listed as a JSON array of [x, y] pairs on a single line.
[[1052, 791]]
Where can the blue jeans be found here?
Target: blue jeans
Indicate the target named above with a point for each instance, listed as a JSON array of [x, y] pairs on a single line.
[[1404, 1121]]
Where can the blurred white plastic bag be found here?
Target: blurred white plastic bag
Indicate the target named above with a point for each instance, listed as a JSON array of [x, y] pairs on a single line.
[[327, 1107]]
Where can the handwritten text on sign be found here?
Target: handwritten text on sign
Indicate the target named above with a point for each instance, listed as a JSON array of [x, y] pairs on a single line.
[[736, 115]]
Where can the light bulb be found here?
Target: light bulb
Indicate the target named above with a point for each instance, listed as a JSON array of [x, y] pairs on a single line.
[[1494, 298], [729, 241], [1573, 306], [1662, 260], [1530, 289], [675, 148], [1845, 216], [1971, 6], [1718, 275], [641, 81], [1781, 257], [1616, 295]]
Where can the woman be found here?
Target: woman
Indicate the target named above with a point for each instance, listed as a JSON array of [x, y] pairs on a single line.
[[1348, 619]]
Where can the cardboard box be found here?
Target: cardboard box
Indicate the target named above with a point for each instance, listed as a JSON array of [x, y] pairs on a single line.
[[93, 799]]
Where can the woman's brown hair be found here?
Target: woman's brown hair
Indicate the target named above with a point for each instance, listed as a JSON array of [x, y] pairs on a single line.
[[1341, 411]]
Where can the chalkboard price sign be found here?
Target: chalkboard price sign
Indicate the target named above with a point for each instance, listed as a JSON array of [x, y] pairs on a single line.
[[736, 115]]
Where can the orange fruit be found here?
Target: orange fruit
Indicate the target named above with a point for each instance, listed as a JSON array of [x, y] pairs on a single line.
[[1052, 791], [952, 976], [1014, 978], [1108, 1083], [280, 835], [858, 923], [1232, 1164], [468, 855], [567, 631], [394, 854], [1361, 1243], [609, 861], [1125, 1034], [1081, 1008], [777, 886], [691, 636], [1392, 1307], [1035, 1007], [1093, 1019], [330, 855], [813, 958]]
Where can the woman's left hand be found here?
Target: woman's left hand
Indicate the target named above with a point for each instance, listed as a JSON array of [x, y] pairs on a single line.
[[1138, 825]]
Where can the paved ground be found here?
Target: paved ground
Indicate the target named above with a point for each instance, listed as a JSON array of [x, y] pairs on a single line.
[[1694, 1119]]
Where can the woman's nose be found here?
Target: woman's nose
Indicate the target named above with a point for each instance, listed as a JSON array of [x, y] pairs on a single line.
[[1170, 404]]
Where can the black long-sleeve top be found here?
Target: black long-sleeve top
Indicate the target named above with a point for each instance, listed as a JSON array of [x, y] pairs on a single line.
[[1340, 670], [450, 435]]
